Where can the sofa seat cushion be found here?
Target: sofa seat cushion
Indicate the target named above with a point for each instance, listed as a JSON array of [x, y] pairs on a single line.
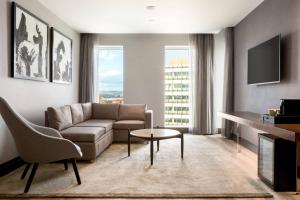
[[129, 124], [83, 134], [106, 123]]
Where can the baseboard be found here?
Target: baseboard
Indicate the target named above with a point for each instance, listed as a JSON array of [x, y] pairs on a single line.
[[10, 166]]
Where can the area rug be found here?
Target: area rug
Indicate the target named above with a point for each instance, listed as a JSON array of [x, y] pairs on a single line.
[[211, 168]]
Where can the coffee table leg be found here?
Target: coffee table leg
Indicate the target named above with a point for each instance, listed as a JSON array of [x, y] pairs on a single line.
[[157, 145], [151, 149], [129, 141], [182, 145]]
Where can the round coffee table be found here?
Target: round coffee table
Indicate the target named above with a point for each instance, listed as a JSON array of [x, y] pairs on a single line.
[[155, 135]]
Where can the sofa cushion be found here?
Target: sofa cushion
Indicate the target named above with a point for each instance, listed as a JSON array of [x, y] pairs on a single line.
[[106, 123], [129, 124], [77, 113], [105, 111], [83, 134], [132, 112], [87, 111], [59, 118]]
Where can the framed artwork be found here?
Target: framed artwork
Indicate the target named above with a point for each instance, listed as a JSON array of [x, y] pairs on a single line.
[[29, 45], [61, 57]]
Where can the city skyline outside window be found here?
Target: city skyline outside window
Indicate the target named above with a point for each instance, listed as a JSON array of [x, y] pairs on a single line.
[[110, 74], [177, 86]]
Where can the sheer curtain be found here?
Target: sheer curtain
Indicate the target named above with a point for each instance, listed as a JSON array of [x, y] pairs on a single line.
[[87, 78], [228, 87], [202, 50]]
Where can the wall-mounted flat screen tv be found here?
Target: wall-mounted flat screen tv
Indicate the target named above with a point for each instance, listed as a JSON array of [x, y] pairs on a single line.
[[264, 62]]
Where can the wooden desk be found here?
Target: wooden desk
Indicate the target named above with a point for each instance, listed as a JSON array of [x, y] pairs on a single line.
[[289, 132], [286, 131]]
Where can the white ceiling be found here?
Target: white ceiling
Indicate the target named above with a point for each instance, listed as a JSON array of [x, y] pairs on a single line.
[[170, 16]]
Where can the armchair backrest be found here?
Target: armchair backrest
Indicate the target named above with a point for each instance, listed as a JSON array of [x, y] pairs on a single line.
[[20, 130]]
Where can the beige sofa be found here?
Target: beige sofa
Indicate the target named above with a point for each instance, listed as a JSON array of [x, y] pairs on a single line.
[[95, 126]]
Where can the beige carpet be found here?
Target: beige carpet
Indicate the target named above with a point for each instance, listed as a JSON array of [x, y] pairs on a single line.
[[211, 168]]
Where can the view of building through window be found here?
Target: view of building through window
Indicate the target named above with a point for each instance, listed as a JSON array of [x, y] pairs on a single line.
[[177, 86], [110, 74]]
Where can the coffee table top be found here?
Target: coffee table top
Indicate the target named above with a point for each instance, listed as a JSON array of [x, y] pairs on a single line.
[[157, 133]]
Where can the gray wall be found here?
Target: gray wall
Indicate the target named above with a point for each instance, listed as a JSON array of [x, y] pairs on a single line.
[[272, 17], [31, 98], [144, 67]]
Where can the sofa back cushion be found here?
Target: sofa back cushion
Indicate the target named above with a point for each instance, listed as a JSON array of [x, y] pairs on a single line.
[[77, 113], [87, 111], [105, 111], [59, 118], [132, 112]]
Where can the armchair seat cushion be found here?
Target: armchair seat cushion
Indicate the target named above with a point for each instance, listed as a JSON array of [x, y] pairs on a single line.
[[129, 124], [106, 123], [83, 134]]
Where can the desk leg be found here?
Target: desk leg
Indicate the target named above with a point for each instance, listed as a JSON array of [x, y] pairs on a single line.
[[182, 145], [151, 149], [297, 171], [238, 135]]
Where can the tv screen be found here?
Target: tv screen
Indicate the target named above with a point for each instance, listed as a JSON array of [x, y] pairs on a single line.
[[264, 62]]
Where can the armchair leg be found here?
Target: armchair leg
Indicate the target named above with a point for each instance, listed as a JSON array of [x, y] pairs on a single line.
[[76, 170], [182, 145], [33, 171], [25, 170], [66, 164]]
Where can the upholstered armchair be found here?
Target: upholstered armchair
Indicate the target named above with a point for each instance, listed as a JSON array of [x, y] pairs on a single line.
[[37, 144]]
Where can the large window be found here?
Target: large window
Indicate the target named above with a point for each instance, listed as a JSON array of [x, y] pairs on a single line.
[[110, 74], [177, 86]]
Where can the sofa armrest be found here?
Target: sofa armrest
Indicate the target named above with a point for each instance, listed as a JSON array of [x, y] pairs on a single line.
[[148, 119]]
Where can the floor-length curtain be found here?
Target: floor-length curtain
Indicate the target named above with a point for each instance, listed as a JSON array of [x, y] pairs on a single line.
[[87, 69], [202, 50], [228, 87]]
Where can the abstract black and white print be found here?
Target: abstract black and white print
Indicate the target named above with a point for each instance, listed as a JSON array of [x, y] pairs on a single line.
[[30, 46], [61, 51]]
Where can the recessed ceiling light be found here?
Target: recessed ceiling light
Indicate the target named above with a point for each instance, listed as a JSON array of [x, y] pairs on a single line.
[[150, 7]]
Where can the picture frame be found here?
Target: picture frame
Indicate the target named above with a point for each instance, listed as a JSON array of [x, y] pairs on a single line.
[[61, 57], [29, 45]]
